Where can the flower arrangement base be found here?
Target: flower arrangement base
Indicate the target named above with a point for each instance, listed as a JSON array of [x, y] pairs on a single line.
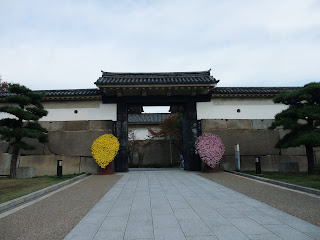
[[109, 170], [208, 169]]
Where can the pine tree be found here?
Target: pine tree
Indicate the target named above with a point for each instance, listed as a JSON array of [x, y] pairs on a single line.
[[302, 118], [25, 105]]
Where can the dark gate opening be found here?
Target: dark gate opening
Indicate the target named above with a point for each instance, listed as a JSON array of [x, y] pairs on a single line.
[[191, 129]]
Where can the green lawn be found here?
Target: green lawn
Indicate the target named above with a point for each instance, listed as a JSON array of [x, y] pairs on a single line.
[[14, 188], [301, 179]]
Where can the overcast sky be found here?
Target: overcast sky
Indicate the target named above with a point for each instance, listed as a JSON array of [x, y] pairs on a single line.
[[65, 44]]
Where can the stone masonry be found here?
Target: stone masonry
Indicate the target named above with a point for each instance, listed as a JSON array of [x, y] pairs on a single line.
[[68, 141], [255, 140]]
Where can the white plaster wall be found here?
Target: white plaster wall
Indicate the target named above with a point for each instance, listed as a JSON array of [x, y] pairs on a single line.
[[143, 133], [225, 108], [86, 110]]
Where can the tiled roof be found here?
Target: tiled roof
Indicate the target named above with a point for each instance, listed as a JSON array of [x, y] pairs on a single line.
[[164, 78], [66, 93], [218, 91], [147, 117], [72, 92], [251, 90]]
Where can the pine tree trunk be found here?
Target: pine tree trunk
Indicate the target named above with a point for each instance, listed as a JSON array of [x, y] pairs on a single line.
[[13, 165], [310, 157]]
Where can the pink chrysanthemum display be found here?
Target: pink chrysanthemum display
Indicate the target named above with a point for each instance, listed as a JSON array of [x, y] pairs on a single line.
[[210, 149]]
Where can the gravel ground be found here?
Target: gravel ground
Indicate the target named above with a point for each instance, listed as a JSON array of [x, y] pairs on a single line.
[[301, 205], [55, 216]]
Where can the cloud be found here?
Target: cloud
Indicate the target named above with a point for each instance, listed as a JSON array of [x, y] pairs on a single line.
[[65, 44]]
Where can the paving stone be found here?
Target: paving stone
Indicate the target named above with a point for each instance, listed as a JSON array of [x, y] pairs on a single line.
[[109, 234], [83, 232], [94, 218], [216, 221], [298, 224], [119, 212], [287, 233], [230, 212], [138, 206], [262, 218], [159, 201], [210, 237], [179, 204], [169, 234], [186, 214], [314, 235], [193, 228], [161, 210], [229, 233], [165, 221], [114, 224], [138, 215], [139, 230], [175, 196], [248, 226], [185, 206], [268, 236], [273, 212], [240, 206]]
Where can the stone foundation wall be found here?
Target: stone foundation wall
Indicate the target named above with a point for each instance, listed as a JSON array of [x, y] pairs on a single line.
[[68, 141], [254, 139]]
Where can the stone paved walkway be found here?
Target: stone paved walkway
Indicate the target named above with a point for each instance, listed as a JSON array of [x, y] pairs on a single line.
[[182, 205]]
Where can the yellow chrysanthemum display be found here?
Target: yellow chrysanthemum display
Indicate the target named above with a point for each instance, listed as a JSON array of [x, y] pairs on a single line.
[[104, 149]]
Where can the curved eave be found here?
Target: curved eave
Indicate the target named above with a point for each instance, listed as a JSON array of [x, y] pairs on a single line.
[[72, 98], [104, 86], [244, 95]]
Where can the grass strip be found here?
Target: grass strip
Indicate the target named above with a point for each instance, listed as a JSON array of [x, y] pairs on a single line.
[[300, 179], [14, 188]]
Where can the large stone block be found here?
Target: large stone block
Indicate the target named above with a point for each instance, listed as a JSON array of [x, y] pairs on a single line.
[[297, 151], [88, 165], [52, 126], [76, 143], [75, 125], [46, 150], [269, 163], [228, 163], [239, 124], [5, 160], [210, 124], [252, 142], [70, 164], [289, 167], [246, 163], [4, 146], [302, 160], [100, 125], [261, 123], [39, 147], [26, 172], [47, 164]]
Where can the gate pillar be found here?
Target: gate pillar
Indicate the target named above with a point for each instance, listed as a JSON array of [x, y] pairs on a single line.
[[121, 161], [190, 133]]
